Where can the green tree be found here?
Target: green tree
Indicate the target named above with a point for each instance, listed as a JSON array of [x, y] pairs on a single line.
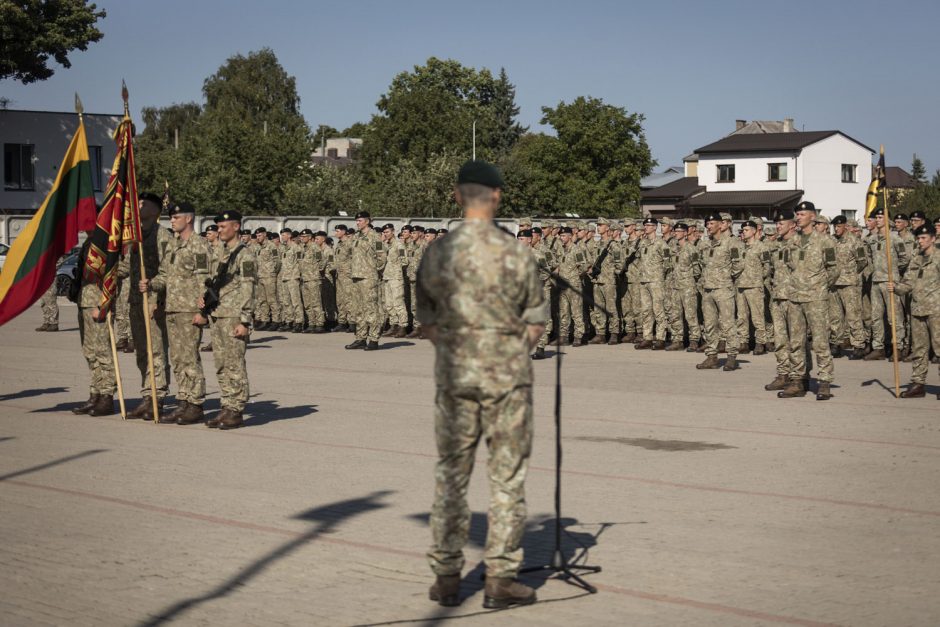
[[918, 171], [324, 132], [166, 149], [33, 31], [506, 131], [925, 197], [323, 190]]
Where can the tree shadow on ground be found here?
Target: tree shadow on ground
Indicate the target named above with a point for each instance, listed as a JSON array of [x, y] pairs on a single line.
[[33, 392], [55, 462], [326, 519]]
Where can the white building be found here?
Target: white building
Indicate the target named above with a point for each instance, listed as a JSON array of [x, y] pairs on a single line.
[[337, 151], [34, 143]]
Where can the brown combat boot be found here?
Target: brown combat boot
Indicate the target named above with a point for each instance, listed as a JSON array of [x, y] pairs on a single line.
[[693, 346], [104, 406], [731, 363], [744, 349], [614, 339], [121, 345], [213, 423], [823, 391], [629, 338], [875, 355], [233, 420], [760, 350], [771, 347], [176, 413], [89, 404], [794, 389], [914, 390], [710, 363], [415, 334], [144, 411], [643, 345], [400, 332], [446, 590], [675, 346], [191, 415], [503, 592], [597, 339], [777, 384], [658, 345]]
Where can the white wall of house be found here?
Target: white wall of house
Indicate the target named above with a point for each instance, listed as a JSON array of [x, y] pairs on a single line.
[[821, 175], [49, 134], [751, 172]]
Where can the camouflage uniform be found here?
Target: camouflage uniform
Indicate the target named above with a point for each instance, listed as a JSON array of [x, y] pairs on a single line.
[[236, 303], [845, 305], [880, 299], [631, 305], [480, 289], [545, 261], [922, 283], [750, 298], [722, 262], [415, 254], [779, 308], [49, 305], [571, 263], [268, 306], [393, 284], [312, 263], [368, 260], [288, 290], [688, 269], [346, 312], [122, 321], [813, 269], [96, 341], [609, 265], [182, 276], [655, 258]]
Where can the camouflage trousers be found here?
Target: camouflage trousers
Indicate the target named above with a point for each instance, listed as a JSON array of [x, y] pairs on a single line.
[[267, 306], [881, 317], [845, 315], [393, 302], [686, 315], [778, 314], [230, 367], [631, 307], [413, 303], [96, 347], [50, 306], [720, 323], [184, 357], [751, 313], [292, 309], [158, 336], [122, 321], [345, 309], [925, 332], [604, 317], [312, 295], [570, 313], [369, 320], [504, 422], [653, 312], [814, 316]]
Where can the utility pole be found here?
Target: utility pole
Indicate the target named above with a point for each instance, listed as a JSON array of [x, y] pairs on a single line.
[[474, 140]]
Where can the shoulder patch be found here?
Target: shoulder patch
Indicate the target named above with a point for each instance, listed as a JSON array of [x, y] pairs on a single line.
[[765, 256], [249, 268], [830, 255], [734, 253], [379, 247], [202, 262]]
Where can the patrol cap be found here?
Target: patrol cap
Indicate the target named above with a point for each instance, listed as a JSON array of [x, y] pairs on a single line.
[[650, 220], [431, 231], [713, 217], [668, 221], [151, 197], [806, 206], [822, 220], [852, 222], [759, 221], [389, 227], [925, 229], [341, 227], [838, 220], [726, 217], [183, 207], [918, 214], [902, 216], [603, 221], [783, 216], [212, 228], [524, 233], [231, 216], [592, 228], [525, 221], [628, 222], [481, 173], [680, 226], [565, 229], [306, 232], [320, 234], [363, 214]]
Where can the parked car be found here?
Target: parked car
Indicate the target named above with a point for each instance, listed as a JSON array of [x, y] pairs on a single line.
[[66, 273], [3, 254]]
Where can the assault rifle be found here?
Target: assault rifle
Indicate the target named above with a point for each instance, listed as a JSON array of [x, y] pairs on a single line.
[[595, 270], [215, 284]]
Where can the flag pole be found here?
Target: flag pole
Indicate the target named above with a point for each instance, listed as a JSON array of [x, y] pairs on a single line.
[[117, 369], [893, 312]]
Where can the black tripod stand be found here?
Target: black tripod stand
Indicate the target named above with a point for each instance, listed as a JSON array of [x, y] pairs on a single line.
[[559, 564]]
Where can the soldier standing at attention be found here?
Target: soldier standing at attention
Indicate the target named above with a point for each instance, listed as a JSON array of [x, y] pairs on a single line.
[[571, 263], [845, 313], [780, 299], [312, 263], [630, 303], [288, 289], [482, 306], [687, 270], [368, 260], [722, 262], [813, 270], [750, 286], [393, 283], [545, 261], [654, 259], [414, 261], [182, 276], [236, 269], [607, 266], [269, 309], [880, 298], [50, 309], [342, 258]]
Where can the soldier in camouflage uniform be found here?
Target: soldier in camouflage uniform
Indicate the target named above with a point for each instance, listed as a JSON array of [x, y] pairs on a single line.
[[368, 261], [269, 308], [232, 321], [96, 345], [780, 301], [342, 260], [686, 272], [902, 225], [813, 271], [313, 260], [722, 263], [393, 283], [288, 288], [845, 303], [655, 260], [215, 249], [572, 263], [867, 282], [631, 306], [182, 276], [482, 305], [415, 255], [670, 306], [545, 261], [922, 283], [606, 267], [880, 298], [50, 309], [750, 286]]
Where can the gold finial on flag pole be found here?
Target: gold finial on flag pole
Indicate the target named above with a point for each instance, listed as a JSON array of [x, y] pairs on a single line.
[[79, 109], [125, 96]]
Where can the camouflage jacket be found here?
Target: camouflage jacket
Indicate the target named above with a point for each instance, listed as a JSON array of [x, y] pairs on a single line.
[[312, 262], [155, 245], [722, 261], [342, 257], [572, 261], [922, 282], [687, 268], [290, 261], [610, 264], [879, 258], [756, 265], [396, 261], [780, 270], [269, 260], [851, 258], [631, 255], [237, 297], [654, 258], [368, 255], [813, 267], [183, 273], [415, 253], [545, 260], [480, 288], [89, 295]]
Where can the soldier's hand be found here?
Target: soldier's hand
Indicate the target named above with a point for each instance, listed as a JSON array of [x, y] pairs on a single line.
[[199, 320], [240, 331], [144, 285], [96, 315], [202, 303], [890, 286]]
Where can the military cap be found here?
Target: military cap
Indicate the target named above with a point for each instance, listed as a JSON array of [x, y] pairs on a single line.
[[202, 233], [295, 233], [320, 234], [592, 228], [700, 225], [925, 229], [806, 206], [878, 212], [852, 222], [566, 229], [537, 229], [363, 214], [231, 216], [902, 216], [388, 226], [770, 229], [243, 231], [260, 229], [838, 220], [713, 217], [307, 232], [750, 223], [151, 197], [212, 228], [918, 214], [547, 224], [439, 231], [525, 221], [668, 221], [582, 226], [431, 231], [759, 221], [481, 173], [406, 227], [183, 207], [329, 240], [680, 226], [821, 220], [726, 217], [628, 222], [524, 233], [418, 228], [783, 216], [603, 221], [650, 220], [341, 227], [286, 230]]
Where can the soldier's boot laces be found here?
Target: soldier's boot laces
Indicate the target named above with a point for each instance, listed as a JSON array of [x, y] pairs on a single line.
[[710, 363], [104, 406], [915, 390], [176, 413], [731, 363], [876, 354], [794, 389], [503, 592], [777, 384], [446, 590], [192, 415], [84, 409], [824, 391]]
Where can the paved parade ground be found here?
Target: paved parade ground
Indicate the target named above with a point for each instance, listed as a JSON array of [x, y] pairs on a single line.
[[706, 500]]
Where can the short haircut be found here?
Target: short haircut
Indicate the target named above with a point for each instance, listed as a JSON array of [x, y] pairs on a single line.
[[473, 193]]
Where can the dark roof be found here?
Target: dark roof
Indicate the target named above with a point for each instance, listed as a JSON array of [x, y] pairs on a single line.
[[682, 188], [764, 142], [774, 198], [898, 177]]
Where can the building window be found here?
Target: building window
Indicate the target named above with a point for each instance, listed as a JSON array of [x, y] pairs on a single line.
[[18, 170], [332, 153], [849, 174], [726, 173], [94, 155], [848, 214], [776, 171]]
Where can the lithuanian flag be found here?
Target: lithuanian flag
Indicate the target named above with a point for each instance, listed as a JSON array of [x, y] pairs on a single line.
[[30, 265]]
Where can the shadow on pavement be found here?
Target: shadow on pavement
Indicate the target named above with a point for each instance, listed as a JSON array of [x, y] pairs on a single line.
[[9, 437], [326, 518], [33, 392], [262, 412], [270, 338], [56, 462], [390, 345]]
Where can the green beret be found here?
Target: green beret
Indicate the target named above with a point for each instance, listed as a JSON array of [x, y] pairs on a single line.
[[481, 173]]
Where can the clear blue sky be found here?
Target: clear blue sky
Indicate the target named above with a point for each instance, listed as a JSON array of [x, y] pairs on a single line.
[[692, 68]]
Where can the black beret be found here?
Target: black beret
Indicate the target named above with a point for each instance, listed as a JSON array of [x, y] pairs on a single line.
[[151, 197], [182, 207], [806, 206], [202, 233], [329, 240], [295, 233], [389, 226], [418, 228], [925, 229], [901, 216], [680, 226], [713, 217], [650, 221], [878, 212], [481, 173], [306, 232], [243, 231], [212, 228], [750, 223], [431, 231], [783, 216], [286, 230], [363, 214], [406, 227], [565, 229], [231, 216], [524, 233], [439, 231], [838, 220], [341, 227], [320, 234], [537, 229], [918, 214], [260, 229]]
